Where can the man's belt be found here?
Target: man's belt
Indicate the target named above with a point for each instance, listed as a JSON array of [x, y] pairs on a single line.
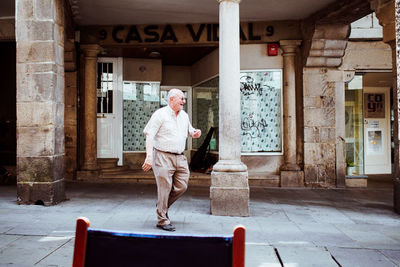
[[173, 153]]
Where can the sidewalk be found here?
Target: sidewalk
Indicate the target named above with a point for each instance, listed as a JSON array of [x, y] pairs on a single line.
[[286, 227]]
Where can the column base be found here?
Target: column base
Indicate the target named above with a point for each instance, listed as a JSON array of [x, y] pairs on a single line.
[[87, 175], [292, 179], [229, 166], [41, 193], [290, 167], [229, 194], [90, 166], [396, 195]]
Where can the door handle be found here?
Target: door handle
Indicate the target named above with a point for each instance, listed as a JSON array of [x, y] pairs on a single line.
[[102, 116]]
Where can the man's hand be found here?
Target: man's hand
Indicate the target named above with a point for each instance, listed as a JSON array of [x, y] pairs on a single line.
[[196, 133], [147, 164]]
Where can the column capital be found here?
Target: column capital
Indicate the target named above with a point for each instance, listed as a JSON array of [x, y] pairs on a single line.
[[289, 46], [234, 1], [91, 50]]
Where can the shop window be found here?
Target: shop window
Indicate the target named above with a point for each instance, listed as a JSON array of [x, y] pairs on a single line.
[[354, 127], [140, 100], [261, 111], [205, 111]]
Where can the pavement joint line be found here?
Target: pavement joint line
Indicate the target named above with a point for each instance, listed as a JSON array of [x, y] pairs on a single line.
[[326, 249], [278, 256], [22, 235], [54, 251], [258, 244], [334, 259]]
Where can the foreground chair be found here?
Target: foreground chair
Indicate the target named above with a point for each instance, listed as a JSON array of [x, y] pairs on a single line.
[[98, 248]]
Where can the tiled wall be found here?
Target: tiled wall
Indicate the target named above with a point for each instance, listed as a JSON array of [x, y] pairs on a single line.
[[136, 115]]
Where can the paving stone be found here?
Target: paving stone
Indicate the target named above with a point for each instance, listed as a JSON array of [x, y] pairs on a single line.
[[300, 256], [325, 234], [327, 214], [5, 240], [393, 255], [29, 250], [61, 257], [368, 236], [261, 255], [360, 257]]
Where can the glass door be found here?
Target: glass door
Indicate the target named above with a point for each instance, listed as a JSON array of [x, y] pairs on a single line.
[[354, 137]]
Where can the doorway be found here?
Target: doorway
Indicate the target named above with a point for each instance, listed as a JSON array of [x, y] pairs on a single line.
[[8, 116], [109, 108], [368, 124]]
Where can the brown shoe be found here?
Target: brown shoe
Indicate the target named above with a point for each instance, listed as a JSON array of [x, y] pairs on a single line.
[[167, 227]]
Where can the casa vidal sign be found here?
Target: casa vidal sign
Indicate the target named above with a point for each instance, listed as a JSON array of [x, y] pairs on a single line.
[[250, 32]]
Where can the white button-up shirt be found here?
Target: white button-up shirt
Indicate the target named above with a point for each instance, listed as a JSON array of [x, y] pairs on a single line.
[[169, 131]]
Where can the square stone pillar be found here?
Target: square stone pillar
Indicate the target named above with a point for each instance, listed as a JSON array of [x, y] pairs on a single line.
[[40, 101], [324, 160]]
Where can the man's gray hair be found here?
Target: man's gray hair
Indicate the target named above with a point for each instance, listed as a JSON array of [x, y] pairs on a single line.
[[173, 92]]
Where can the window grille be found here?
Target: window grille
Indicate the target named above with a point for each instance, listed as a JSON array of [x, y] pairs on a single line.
[[105, 79]]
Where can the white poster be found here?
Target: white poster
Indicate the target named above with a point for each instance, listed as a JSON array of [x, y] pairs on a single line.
[[374, 143]]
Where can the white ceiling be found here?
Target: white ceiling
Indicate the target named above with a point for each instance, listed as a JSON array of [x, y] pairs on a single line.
[[106, 12]]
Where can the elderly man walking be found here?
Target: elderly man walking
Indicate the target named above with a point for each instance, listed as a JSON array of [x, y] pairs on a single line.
[[166, 134]]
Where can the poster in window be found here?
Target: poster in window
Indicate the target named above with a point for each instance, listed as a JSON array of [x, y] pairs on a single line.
[[374, 144], [129, 91], [374, 105], [151, 92]]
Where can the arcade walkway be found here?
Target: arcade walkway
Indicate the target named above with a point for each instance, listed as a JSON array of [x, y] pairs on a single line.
[[287, 227]]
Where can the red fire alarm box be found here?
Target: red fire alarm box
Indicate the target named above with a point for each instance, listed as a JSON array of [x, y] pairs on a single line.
[[272, 49]]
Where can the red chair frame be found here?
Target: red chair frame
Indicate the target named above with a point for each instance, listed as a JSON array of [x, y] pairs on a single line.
[[82, 226]]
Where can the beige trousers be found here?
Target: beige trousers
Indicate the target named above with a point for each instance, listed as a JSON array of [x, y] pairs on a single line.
[[172, 176]]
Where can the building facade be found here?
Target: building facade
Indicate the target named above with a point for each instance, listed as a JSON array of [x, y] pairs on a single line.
[[295, 102]]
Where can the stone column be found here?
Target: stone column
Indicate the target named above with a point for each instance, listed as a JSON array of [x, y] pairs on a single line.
[[90, 109], [229, 192], [40, 101], [396, 107], [291, 174]]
